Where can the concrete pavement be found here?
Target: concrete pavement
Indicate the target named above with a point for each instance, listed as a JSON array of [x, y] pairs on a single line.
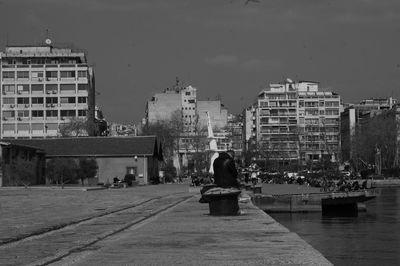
[[187, 235], [153, 225], [25, 212]]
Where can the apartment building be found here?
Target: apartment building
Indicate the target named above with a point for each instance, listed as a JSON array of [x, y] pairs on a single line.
[[319, 123], [294, 121], [44, 87]]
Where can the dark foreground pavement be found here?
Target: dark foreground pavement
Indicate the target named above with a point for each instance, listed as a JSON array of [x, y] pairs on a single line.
[[167, 228]]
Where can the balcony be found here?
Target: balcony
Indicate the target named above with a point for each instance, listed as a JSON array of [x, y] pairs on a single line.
[[8, 106], [68, 105]]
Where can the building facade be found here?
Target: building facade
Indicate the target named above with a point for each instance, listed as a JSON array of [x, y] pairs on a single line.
[[295, 122], [355, 115], [43, 87], [118, 129], [181, 103], [115, 156]]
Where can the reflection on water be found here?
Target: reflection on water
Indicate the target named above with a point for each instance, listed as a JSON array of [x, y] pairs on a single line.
[[371, 238]]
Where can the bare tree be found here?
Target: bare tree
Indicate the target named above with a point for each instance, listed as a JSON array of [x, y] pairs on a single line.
[[161, 129], [75, 127], [62, 170], [24, 171], [377, 133]]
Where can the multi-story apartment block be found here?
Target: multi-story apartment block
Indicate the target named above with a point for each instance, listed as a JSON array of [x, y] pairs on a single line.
[[294, 121], [44, 87], [319, 124], [235, 129]]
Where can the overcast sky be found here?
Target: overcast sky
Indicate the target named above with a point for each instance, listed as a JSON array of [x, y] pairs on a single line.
[[223, 48]]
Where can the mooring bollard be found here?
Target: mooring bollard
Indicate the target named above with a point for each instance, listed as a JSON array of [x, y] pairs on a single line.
[[257, 189], [223, 201]]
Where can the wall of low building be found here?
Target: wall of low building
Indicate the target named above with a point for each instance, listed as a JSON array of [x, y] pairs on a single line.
[[14, 162], [110, 167]]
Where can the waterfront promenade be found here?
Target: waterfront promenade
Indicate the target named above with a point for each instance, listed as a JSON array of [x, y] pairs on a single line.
[[149, 225]]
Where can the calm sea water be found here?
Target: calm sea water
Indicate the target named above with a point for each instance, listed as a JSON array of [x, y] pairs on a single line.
[[371, 238]]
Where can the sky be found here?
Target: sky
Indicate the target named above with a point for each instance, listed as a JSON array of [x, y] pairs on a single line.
[[227, 49]]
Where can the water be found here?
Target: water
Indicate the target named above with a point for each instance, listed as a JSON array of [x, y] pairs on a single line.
[[371, 238]]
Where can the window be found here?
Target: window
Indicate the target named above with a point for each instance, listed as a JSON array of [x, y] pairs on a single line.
[[8, 128], [67, 74], [8, 100], [8, 75], [9, 88], [51, 88], [23, 127], [37, 100], [37, 127], [37, 88], [51, 126], [332, 104], [67, 100], [131, 171], [83, 87], [23, 74], [82, 99], [23, 88], [81, 112], [9, 114], [37, 113], [23, 113], [67, 88], [52, 100], [264, 120], [332, 112], [37, 74], [187, 93], [67, 113], [51, 74], [22, 100], [82, 74], [51, 113]]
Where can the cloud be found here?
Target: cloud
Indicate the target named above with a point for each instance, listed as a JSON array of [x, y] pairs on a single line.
[[260, 65], [224, 60]]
